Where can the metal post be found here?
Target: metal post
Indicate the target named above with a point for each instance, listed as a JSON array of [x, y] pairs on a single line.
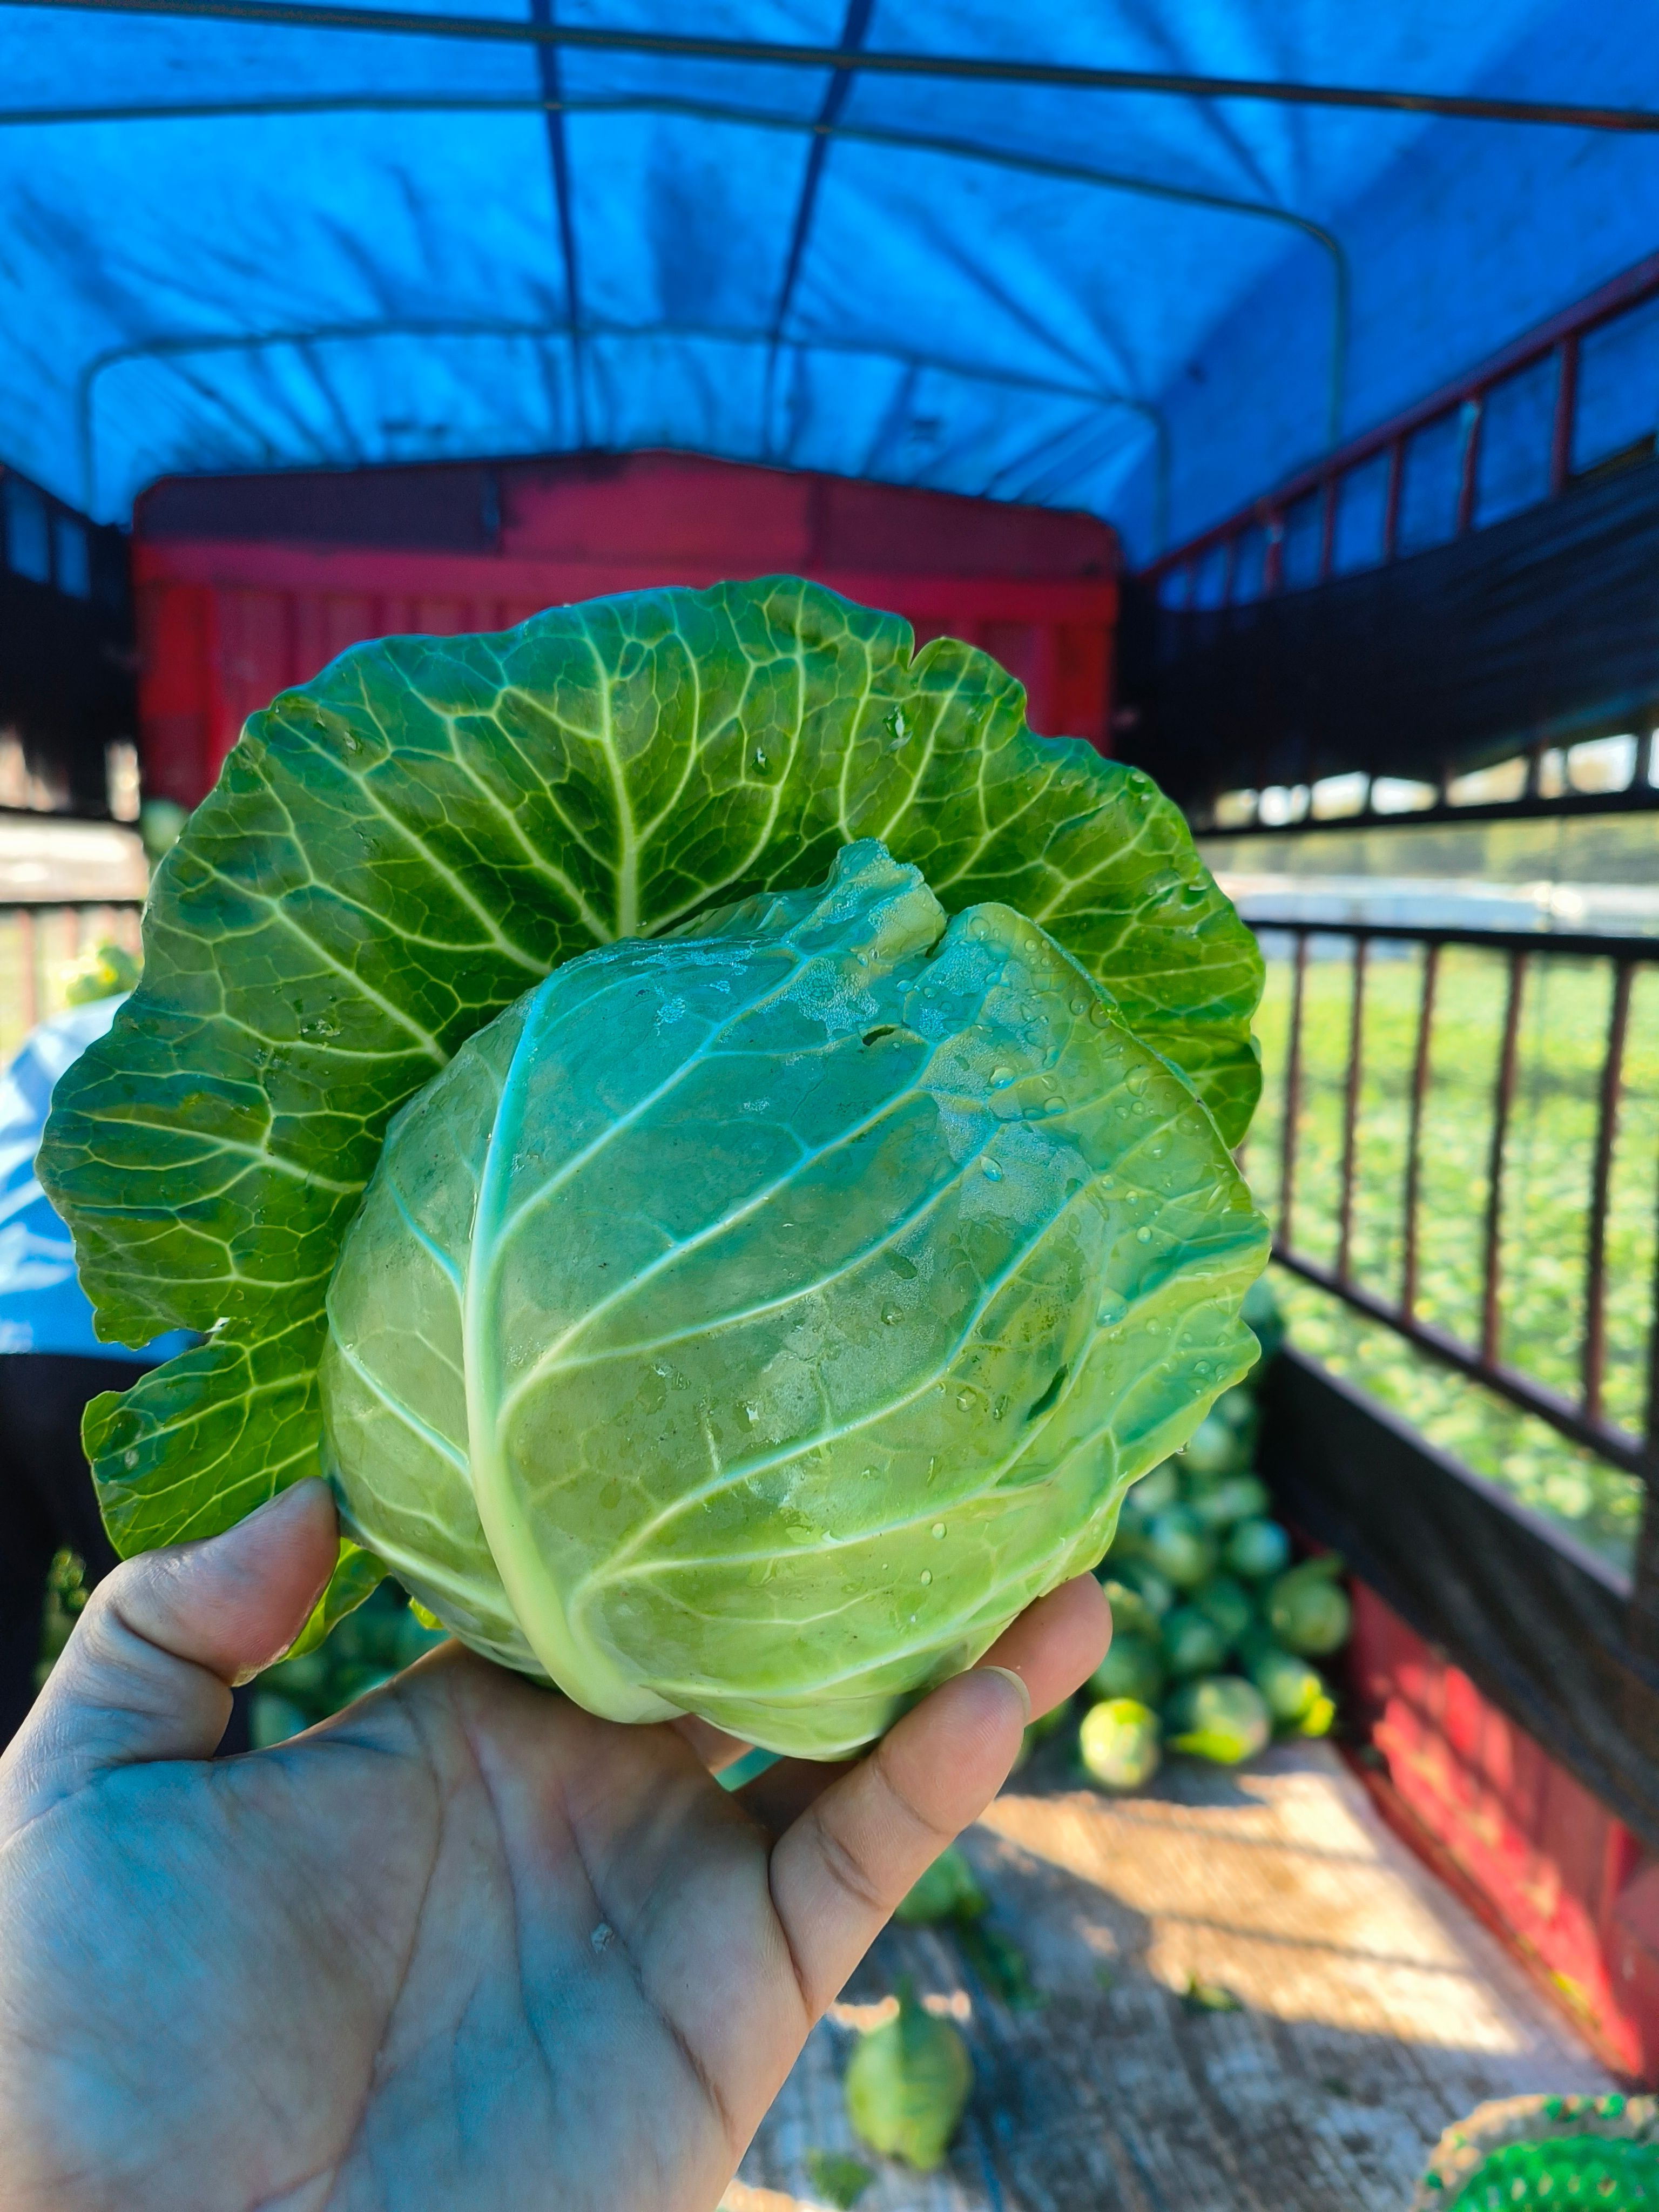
[[1229, 570], [1566, 408], [1643, 1617], [1351, 1110], [1650, 1412], [1595, 1258], [1272, 559], [1502, 1102], [1473, 415], [1391, 505], [1287, 1134], [1414, 1136]]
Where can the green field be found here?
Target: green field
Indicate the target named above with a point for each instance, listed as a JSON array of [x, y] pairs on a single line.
[[1545, 1212]]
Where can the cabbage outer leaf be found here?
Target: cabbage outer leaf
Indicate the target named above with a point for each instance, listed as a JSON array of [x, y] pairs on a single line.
[[396, 851], [751, 1321]]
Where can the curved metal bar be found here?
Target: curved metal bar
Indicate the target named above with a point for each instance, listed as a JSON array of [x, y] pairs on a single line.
[[772, 54], [820, 127], [564, 214], [1180, 195], [176, 345], [853, 27], [1162, 465]]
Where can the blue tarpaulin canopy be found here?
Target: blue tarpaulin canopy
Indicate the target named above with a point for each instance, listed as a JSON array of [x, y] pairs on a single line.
[[242, 233]]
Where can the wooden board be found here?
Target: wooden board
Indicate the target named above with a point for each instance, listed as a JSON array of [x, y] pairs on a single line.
[[1375, 2009]]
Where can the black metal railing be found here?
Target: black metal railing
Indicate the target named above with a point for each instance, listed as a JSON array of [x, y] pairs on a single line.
[[1450, 1064], [1290, 537]]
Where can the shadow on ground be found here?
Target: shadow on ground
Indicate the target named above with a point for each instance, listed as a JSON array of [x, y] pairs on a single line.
[[1372, 2010]]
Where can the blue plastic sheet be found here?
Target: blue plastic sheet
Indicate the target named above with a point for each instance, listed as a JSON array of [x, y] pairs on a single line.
[[42, 1305], [1094, 299]]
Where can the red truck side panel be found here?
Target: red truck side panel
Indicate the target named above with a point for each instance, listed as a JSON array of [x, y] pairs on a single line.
[[1544, 1864], [228, 616]]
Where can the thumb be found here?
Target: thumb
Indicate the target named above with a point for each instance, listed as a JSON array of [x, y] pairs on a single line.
[[148, 1672]]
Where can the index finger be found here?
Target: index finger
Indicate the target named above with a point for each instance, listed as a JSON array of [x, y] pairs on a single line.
[[837, 1873]]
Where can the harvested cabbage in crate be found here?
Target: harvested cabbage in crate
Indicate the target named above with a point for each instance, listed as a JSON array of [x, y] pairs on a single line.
[[1213, 1630]]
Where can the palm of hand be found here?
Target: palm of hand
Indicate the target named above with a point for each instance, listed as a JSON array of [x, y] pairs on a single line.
[[464, 1948], [505, 1954]]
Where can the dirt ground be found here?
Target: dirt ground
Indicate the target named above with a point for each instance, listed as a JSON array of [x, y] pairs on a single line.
[[1372, 2009]]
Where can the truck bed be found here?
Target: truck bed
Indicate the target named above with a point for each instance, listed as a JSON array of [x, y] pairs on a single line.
[[1373, 2009]]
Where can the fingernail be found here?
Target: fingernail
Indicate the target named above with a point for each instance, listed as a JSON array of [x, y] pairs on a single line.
[[1009, 1675]]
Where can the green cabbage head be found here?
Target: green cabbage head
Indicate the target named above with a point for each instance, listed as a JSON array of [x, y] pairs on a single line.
[[907, 2084], [710, 1134], [751, 1321]]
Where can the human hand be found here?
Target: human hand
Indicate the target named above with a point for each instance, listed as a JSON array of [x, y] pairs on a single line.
[[462, 1946]]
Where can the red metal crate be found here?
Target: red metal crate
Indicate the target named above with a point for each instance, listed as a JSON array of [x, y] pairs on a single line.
[[246, 585]]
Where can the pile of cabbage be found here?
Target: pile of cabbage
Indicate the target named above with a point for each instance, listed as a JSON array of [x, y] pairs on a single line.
[[1215, 1632], [715, 1140]]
